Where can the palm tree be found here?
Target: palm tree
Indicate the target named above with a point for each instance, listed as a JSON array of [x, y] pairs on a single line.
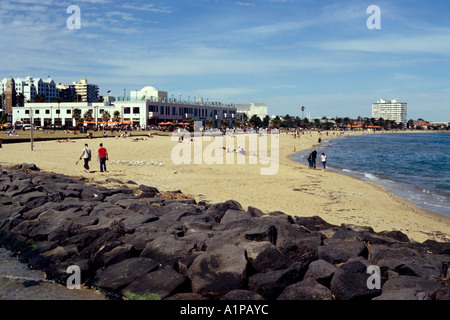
[[76, 114], [87, 116], [275, 122], [116, 116], [266, 121], [303, 109], [106, 116]]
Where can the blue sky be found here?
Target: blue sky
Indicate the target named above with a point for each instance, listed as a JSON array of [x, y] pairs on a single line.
[[285, 53]]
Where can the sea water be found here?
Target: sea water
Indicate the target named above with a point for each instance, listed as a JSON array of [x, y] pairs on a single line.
[[18, 282], [415, 166]]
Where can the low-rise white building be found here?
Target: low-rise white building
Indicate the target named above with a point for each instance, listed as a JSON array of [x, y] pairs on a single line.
[[151, 110], [258, 109]]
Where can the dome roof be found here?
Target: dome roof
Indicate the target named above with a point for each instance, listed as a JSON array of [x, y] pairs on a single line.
[[148, 88]]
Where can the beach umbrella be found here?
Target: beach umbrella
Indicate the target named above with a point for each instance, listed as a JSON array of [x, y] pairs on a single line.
[[168, 122]]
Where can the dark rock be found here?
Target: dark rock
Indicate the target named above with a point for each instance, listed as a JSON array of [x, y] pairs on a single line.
[[350, 282], [337, 250], [218, 272], [321, 271], [409, 288], [117, 276], [131, 223], [241, 295], [92, 194], [235, 215], [265, 234], [307, 289], [30, 283], [255, 212], [378, 252], [170, 249], [396, 235], [442, 294], [314, 223], [273, 258], [118, 254], [186, 296], [270, 284], [29, 166], [147, 189], [217, 211], [156, 285]]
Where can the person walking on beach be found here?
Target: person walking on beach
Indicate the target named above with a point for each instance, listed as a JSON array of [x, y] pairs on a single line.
[[323, 158], [313, 157], [102, 157], [86, 155]]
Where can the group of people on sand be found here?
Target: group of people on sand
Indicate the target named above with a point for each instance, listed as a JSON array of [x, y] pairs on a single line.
[[313, 157], [102, 156]]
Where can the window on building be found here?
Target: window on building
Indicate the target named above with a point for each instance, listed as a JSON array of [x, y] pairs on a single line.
[[68, 111], [161, 110], [47, 111], [126, 110], [136, 110]]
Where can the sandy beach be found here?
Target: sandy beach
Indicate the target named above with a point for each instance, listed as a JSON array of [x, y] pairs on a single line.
[[294, 189]]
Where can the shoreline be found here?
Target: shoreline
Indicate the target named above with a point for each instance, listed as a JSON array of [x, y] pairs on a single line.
[[294, 190], [395, 187]]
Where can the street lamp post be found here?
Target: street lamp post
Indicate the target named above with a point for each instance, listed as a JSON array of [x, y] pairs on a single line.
[[31, 128]]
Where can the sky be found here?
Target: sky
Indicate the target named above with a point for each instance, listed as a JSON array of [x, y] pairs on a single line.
[[284, 53]]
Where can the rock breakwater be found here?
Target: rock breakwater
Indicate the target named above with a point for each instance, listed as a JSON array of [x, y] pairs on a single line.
[[133, 241]]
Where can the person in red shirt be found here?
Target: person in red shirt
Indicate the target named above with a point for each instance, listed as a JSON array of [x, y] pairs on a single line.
[[102, 157]]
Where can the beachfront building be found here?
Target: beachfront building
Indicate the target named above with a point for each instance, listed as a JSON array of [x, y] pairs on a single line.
[[390, 110], [258, 109], [151, 109], [85, 91], [29, 87]]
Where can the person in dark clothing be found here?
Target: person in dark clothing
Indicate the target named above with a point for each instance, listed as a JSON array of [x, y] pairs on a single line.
[[313, 157]]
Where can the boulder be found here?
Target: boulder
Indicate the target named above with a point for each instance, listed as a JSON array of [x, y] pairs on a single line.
[[307, 289], [117, 276], [270, 284], [350, 282], [156, 285], [240, 295], [321, 271], [409, 288], [338, 250], [217, 272]]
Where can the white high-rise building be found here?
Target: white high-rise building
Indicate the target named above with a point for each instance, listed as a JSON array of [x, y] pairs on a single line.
[[87, 92], [30, 87], [390, 110]]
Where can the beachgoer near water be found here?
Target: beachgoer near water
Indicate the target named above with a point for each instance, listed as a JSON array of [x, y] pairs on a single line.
[[86, 155], [323, 158], [102, 157], [313, 156], [310, 160]]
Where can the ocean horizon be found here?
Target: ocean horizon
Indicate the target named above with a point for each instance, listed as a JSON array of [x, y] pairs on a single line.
[[415, 166]]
